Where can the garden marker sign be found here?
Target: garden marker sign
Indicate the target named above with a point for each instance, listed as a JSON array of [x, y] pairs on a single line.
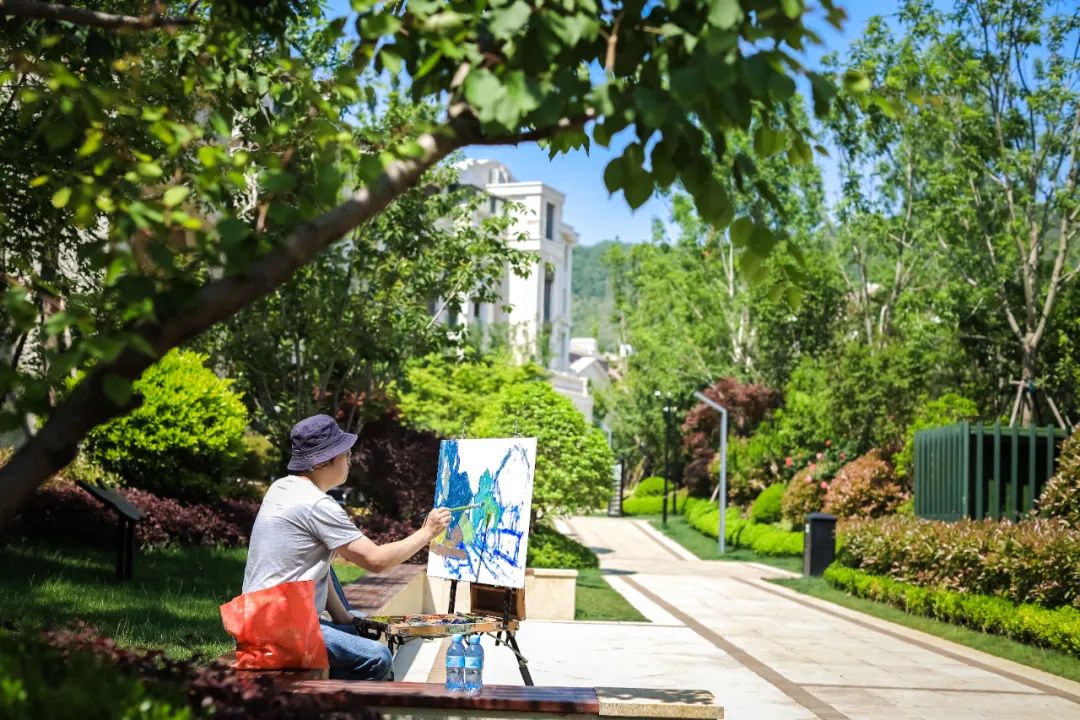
[[488, 485]]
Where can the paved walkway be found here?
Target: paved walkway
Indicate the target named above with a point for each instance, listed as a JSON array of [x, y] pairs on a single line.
[[767, 653]]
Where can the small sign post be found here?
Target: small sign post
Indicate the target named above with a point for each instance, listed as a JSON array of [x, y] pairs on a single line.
[[126, 517]]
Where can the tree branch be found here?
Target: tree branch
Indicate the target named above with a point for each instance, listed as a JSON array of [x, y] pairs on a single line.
[[88, 405], [81, 16]]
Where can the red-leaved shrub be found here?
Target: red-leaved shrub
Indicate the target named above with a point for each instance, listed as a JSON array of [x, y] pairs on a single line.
[[62, 509], [381, 529], [747, 404], [1061, 496], [394, 467], [865, 487], [1034, 561]]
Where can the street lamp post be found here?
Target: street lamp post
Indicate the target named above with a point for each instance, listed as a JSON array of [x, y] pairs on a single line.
[[723, 461], [664, 409]]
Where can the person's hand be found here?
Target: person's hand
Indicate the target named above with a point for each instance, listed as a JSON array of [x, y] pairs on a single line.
[[437, 521]]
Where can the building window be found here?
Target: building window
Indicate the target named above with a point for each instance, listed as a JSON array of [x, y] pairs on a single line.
[[493, 205], [452, 319], [549, 283], [549, 222], [476, 309]]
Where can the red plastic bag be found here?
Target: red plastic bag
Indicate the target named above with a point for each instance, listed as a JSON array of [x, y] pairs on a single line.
[[276, 628]]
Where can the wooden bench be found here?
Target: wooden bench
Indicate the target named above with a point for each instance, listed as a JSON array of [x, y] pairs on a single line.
[[431, 700]]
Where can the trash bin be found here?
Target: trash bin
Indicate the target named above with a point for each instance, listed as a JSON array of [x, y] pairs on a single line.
[[819, 543]]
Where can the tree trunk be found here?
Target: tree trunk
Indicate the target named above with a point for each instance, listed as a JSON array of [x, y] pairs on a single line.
[[1029, 410]]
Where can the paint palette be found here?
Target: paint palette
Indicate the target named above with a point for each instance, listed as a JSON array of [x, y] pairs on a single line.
[[437, 624]]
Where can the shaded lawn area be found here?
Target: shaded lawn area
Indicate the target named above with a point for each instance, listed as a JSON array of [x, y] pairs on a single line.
[[171, 604], [706, 548], [1051, 661], [597, 600]]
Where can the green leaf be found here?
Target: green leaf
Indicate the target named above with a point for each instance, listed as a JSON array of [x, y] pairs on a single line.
[[639, 188], [174, 196], [391, 61], [482, 90], [60, 197], [508, 22], [92, 143], [725, 14], [714, 205], [614, 175], [232, 230], [116, 388], [740, 231], [58, 134], [856, 82], [768, 142], [752, 267], [792, 8]]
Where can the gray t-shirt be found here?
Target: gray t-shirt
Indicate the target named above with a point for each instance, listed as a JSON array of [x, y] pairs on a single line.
[[295, 534]]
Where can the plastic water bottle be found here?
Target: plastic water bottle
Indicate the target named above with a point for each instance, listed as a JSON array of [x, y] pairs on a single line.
[[455, 665], [474, 666]]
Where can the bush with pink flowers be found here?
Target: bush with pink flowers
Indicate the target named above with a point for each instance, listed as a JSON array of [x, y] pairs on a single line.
[[806, 491], [865, 487]]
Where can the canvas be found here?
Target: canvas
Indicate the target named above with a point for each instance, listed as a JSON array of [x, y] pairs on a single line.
[[486, 543]]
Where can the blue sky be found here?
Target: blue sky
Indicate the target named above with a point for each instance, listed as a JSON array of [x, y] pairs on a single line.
[[596, 215]]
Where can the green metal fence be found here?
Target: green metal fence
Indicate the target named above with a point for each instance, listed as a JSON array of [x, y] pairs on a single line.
[[980, 471]]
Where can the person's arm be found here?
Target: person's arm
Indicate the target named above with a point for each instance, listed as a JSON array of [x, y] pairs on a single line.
[[377, 558], [336, 608]]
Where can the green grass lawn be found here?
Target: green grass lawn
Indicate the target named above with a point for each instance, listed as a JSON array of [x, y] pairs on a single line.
[[706, 548], [1051, 661], [597, 600], [171, 604]]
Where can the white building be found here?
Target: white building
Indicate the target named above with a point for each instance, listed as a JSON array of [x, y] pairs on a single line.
[[540, 302]]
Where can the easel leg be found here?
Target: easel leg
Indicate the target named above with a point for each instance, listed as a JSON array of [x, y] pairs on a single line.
[[523, 664]]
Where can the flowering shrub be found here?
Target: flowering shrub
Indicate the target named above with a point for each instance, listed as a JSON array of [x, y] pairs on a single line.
[[766, 508], [62, 509], [865, 487], [806, 491], [1032, 624], [1034, 561], [1061, 496]]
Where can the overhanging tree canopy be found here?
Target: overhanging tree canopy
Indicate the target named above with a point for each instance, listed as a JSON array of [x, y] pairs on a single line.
[[162, 180]]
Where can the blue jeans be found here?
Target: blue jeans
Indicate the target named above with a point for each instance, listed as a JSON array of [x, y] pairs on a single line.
[[353, 657]]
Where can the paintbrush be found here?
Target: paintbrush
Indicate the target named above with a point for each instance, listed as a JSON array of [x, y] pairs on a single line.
[[451, 509]]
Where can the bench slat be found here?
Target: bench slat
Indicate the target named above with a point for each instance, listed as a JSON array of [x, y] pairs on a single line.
[[358, 694]]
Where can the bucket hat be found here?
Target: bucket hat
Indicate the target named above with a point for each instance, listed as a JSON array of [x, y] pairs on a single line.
[[317, 439]]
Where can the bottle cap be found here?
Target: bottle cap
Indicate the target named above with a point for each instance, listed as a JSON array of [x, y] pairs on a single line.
[[456, 638], [475, 639]]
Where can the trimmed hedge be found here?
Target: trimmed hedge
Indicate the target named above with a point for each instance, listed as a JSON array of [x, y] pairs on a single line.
[[548, 548], [767, 507], [653, 504], [649, 487], [1026, 623], [1034, 561], [763, 539]]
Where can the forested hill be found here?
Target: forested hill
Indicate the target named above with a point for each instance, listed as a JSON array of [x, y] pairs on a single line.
[[593, 304]]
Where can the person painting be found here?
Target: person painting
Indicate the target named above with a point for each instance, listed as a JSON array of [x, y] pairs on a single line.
[[300, 529]]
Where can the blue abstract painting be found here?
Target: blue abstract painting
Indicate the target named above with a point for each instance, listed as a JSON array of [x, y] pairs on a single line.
[[488, 485]]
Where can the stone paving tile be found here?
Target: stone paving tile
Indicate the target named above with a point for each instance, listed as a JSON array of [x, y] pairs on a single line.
[[814, 649]]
